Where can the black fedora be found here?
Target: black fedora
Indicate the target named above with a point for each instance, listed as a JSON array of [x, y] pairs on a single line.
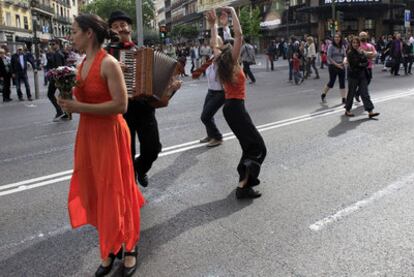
[[119, 15]]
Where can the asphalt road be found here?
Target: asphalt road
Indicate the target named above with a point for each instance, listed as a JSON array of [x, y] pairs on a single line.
[[337, 192]]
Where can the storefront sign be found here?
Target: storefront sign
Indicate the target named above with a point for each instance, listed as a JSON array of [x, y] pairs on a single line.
[[270, 23], [339, 2]]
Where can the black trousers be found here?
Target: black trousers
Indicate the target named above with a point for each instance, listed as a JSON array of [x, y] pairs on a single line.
[[333, 73], [248, 72], [141, 121], [51, 90], [6, 87], [22, 77], [369, 79], [396, 68], [251, 142], [359, 84], [213, 102]]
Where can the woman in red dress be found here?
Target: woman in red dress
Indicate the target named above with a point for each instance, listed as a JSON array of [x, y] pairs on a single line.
[[103, 190]]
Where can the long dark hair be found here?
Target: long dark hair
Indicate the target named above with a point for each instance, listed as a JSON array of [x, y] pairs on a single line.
[[96, 24], [351, 48], [226, 65], [341, 42]]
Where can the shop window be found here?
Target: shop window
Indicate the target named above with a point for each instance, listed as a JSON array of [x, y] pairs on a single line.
[[350, 25], [73, 2], [369, 24], [18, 25], [26, 23]]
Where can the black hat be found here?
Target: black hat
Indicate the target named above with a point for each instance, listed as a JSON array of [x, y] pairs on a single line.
[[119, 15]]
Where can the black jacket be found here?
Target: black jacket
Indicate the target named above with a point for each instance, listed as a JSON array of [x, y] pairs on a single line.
[[54, 60], [16, 67], [3, 71], [358, 64]]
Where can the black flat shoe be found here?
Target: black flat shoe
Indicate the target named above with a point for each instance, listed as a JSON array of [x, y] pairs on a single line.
[[372, 115], [143, 180], [323, 97], [105, 270], [129, 271], [247, 193]]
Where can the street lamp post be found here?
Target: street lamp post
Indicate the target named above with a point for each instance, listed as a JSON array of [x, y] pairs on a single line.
[[333, 18], [140, 28], [35, 42]]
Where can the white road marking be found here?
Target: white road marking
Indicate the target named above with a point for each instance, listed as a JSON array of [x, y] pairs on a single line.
[[192, 145], [394, 187]]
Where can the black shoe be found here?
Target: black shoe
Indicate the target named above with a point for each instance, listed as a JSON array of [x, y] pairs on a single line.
[[129, 271], [7, 100], [323, 97], [247, 193], [317, 77], [143, 180], [21, 99], [104, 270], [30, 99]]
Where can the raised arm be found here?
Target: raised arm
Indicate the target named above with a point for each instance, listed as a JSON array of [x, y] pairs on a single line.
[[214, 41], [238, 34]]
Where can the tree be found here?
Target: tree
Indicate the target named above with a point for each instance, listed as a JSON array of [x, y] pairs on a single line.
[[104, 8], [180, 32], [250, 22]]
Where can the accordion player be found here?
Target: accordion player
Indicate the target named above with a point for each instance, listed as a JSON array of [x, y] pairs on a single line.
[[148, 74]]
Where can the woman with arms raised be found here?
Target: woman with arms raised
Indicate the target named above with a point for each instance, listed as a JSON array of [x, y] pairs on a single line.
[[103, 191], [233, 79]]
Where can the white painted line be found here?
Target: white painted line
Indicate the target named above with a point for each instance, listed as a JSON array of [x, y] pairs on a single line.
[[195, 144], [41, 184], [394, 187]]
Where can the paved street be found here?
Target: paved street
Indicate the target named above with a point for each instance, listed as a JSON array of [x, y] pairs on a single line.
[[337, 193]]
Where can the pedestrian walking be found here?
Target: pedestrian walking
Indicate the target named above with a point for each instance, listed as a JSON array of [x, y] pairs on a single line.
[[408, 56], [358, 78], [195, 57], [5, 75], [396, 54], [311, 57], [55, 58], [248, 58], [19, 66], [296, 64], [271, 54], [233, 79], [336, 58], [103, 191]]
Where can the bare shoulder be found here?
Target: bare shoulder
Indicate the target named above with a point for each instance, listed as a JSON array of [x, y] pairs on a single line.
[[109, 65]]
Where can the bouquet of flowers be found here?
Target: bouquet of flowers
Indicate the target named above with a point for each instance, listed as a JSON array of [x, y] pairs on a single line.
[[65, 80]]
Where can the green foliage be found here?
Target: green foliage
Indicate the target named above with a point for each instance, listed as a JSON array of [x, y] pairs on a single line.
[[104, 8], [184, 31], [250, 21]]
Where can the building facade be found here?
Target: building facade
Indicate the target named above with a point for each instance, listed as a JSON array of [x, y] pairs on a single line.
[[22, 21]]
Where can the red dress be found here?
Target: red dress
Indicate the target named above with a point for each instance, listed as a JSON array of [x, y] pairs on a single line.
[[103, 190]]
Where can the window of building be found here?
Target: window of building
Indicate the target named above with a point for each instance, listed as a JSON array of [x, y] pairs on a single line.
[[26, 23], [73, 2], [369, 24], [8, 19], [350, 25], [61, 11], [18, 25]]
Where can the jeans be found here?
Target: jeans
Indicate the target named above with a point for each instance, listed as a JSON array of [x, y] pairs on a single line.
[[359, 84], [213, 102], [141, 120], [248, 72], [297, 75], [51, 90], [22, 77], [333, 73], [290, 70], [311, 63], [251, 142]]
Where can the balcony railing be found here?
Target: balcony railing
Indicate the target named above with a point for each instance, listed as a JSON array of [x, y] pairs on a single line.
[[45, 8], [64, 3], [63, 19]]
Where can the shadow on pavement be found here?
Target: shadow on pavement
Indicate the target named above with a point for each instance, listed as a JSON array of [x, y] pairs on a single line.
[[347, 124], [155, 237]]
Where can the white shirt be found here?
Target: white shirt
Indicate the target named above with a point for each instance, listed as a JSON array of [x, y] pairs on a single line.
[[226, 33], [21, 58], [212, 79]]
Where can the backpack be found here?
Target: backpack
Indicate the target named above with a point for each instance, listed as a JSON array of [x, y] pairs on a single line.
[[250, 55]]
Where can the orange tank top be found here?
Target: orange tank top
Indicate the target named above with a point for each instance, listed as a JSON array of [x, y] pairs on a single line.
[[236, 90]]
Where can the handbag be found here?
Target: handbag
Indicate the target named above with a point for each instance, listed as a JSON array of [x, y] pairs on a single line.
[[389, 62]]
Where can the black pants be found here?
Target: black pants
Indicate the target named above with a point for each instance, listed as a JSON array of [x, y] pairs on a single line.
[[359, 84], [369, 79], [396, 68], [251, 142], [333, 73], [22, 77], [248, 72], [51, 90], [272, 62], [408, 64], [213, 102], [6, 87], [141, 120]]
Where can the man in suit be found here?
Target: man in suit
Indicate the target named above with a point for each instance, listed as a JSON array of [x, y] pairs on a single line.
[[19, 64], [5, 75]]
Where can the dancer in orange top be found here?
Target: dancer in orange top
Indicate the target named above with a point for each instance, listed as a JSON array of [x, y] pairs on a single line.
[[103, 191]]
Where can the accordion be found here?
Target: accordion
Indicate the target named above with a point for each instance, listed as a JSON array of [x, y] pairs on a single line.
[[148, 75]]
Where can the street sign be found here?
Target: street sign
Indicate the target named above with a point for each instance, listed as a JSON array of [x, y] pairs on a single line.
[[407, 18]]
